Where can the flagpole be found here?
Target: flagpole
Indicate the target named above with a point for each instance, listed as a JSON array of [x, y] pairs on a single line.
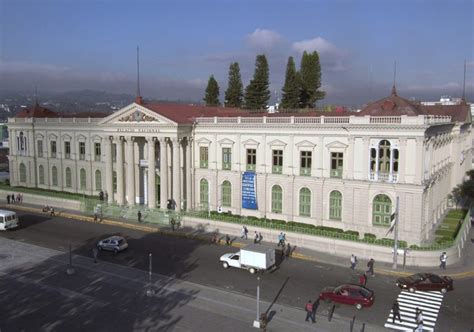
[[395, 244]]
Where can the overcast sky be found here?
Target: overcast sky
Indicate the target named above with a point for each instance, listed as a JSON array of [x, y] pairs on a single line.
[[61, 45]]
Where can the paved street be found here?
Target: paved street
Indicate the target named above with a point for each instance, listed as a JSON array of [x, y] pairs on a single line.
[[196, 263]]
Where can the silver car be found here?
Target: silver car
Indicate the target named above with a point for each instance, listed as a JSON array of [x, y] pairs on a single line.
[[114, 243]]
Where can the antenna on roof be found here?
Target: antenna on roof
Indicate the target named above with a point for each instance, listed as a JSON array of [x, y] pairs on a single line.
[[394, 89], [464, 83], [36, 95], [138, 98]]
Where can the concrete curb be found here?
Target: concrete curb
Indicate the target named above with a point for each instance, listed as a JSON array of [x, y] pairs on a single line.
[[234, 244]]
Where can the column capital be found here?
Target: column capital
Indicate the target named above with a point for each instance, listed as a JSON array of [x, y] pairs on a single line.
[[130, 139], [151, 139], [118, 138]]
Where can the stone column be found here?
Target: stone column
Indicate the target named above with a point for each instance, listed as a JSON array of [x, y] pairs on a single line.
[[420, 164], [151, 173], [109, 170], [163, 172], [350, 159], [402, 155], [176, 174], [130, 172], [188, 174], [120, 188]]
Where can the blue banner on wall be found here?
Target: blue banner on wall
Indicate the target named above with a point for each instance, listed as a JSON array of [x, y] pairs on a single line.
[[249, 191]]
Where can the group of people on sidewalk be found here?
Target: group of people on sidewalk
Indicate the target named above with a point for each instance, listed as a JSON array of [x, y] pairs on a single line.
[[12, 199]]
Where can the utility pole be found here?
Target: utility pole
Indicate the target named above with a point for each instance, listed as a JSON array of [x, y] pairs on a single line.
[[256, 323], [149, 291]]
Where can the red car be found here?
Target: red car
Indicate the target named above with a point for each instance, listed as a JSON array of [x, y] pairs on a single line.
[[426, 282], [355, 295]]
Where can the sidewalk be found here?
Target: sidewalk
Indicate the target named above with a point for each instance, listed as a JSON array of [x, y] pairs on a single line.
[[462, 269]]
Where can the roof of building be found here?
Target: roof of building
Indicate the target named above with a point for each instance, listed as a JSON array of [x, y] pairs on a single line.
[[393, 105], [36, 111]]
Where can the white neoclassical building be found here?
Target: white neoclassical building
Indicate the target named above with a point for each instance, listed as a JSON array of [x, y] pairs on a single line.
[[338, 169]]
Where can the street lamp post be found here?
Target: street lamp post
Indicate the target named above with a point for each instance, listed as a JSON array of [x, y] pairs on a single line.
[[149, 291], [256, 323]]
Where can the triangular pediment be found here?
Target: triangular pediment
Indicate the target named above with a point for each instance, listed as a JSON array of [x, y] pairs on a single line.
[[250, 142], [277, 142], [203, 141], [135, 114], [226, 141], [337, 144], [305, 144]]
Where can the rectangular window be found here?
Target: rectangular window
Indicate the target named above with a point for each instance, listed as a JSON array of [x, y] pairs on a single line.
[[39, 144], [82, 150], [336, 164], [114, 181], [67, 150], [226, 158], [53, 149], [251, 159], [277, 161], [204, 157], [114, 152], [305, 162], [97, 151]]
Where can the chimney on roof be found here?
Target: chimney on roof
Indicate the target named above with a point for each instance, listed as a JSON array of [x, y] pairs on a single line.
[[138, 98]]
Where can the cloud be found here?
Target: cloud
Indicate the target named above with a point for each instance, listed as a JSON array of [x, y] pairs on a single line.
[[263, 39], [332, 57]]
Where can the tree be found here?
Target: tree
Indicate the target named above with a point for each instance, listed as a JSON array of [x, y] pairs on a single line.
[[290, 90], [257, 93], [234, 92], [212, 92], [310, 77], [464, 192]]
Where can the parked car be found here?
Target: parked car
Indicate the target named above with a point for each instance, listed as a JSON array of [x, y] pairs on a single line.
[[426, 282], [355, 295], [114, 243]]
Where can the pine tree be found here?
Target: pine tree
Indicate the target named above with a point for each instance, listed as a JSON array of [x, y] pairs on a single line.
[[290, 97], [257, 93], [212, 92], [234, 92], [310, 76]]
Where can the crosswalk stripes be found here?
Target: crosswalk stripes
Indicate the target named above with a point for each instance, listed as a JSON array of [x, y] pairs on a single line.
[[428, 302]]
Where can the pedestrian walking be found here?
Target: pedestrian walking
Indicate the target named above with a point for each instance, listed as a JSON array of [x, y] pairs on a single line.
[[139, 216], [242, 232], [255, 239], [18, 198], [246, 231], [396, 312], [214, 238], [173, 224], [95, 252], [281, 239], [106, 197], [13, 198], [418, 320], [101, 196], [51, 211], [96, 217], [353, 261], [370, 265], [227, 240], [443, 258], [260, 237], [363, 279], [21, 198], [8, 199], [310, 312]]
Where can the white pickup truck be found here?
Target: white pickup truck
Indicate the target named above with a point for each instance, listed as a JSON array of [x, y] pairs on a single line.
[[254, 257]]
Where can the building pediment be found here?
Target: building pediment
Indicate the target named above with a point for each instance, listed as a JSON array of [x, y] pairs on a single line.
[[277, 142], [336, 144], [203, 141], [226, 141], [250, 142], [135, 114], [305, 144]]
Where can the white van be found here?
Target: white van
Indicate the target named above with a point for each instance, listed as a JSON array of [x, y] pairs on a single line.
[[8, 219]]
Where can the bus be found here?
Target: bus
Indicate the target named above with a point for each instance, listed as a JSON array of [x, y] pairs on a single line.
[[8, 219]]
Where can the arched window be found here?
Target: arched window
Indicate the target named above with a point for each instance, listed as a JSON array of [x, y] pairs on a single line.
[[204, 193], [381, 210], [335, 205], [83, 180], [54, 176], [384, 156], [114, 181], [68, 178], [305, 202], [22, 172], [226, 194], [41, 174], [98, 180], [277, 199]]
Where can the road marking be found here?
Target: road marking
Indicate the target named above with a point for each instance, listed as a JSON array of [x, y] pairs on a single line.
[[428, 302]]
